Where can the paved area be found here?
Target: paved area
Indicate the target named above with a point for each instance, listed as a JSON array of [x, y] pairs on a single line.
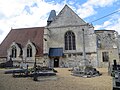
[[63, 81]]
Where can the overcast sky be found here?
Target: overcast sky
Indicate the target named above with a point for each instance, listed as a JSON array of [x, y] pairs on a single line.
[[34, 13]]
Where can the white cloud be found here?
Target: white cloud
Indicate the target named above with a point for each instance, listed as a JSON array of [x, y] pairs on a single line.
[[71, 2], [112, 24], [84, 12], [4, 29], [1, 32], [10, 8], [105, 25], [24, 13], [100, 3], [87, 9], [32, 13]]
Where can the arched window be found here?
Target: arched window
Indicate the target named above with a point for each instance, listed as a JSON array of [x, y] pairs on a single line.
[[13, 52], [29, 51], [70, 41]]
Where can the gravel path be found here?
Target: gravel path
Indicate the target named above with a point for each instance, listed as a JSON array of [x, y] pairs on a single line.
[[63, 81]]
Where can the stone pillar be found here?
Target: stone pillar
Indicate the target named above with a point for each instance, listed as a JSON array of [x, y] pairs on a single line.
[[84, 53]]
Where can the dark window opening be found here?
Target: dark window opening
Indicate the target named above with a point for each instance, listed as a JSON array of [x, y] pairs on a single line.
[[14, 52], [105, 56], [29, 51], [70, 43]]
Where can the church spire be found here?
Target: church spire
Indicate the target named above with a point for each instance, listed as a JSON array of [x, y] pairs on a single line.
[[51, 16]]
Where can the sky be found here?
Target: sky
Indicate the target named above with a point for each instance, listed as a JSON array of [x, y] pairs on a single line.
[[34, 13]]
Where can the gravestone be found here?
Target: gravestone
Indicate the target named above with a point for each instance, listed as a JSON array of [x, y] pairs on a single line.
[[85, 69]]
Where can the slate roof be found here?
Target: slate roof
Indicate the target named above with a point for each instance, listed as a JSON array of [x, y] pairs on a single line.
[[52, 15], [21, 37]]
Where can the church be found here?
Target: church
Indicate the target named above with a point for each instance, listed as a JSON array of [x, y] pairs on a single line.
[[65, 41]]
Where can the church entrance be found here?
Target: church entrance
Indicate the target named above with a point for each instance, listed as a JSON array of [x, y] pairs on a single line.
[[56, 62]]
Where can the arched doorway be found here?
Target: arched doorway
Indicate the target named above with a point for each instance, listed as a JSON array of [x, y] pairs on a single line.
[[56, 62]]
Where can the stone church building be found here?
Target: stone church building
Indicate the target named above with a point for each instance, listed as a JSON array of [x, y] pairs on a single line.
[[65, 41]]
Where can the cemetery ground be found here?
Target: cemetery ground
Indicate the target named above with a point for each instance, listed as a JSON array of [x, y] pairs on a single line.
[[62, 81]]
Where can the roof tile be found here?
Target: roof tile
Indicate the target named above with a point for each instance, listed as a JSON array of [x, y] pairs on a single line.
[[21, 36]]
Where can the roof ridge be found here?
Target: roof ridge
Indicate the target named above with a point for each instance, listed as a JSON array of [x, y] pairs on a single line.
[[26, 28]]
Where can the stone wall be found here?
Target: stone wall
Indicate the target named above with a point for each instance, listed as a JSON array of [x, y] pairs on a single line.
[[54, 35], [107, 42]]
